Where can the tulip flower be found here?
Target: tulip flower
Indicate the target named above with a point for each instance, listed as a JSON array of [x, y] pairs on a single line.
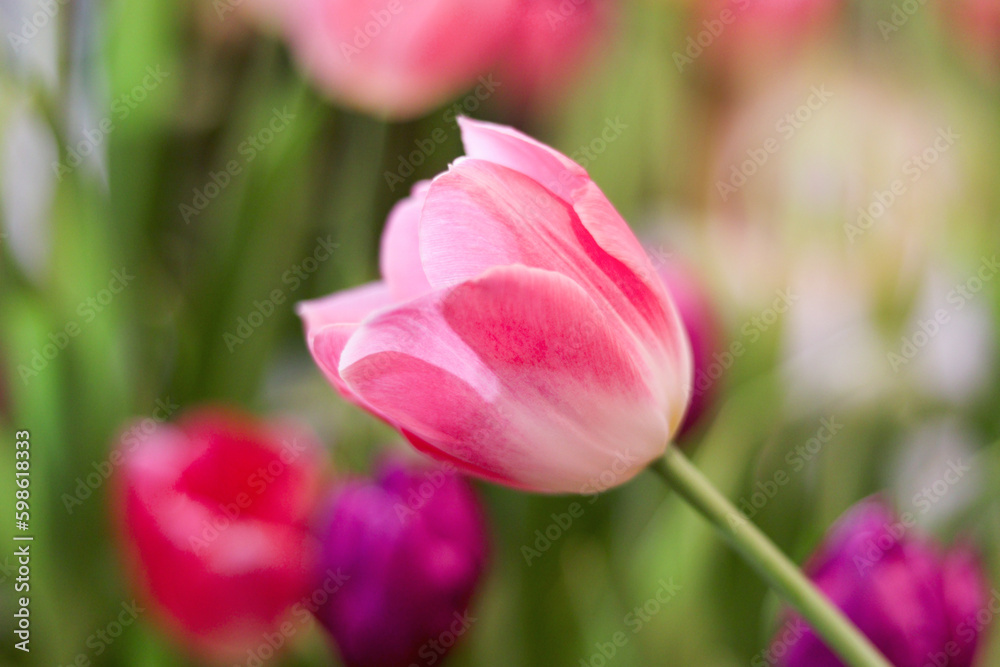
[[398, 58], [550, 43], [520, 330], [917, 604], [410, 546], [703, 330], [214, 515]]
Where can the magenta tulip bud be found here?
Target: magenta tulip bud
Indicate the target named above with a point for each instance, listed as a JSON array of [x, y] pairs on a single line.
[[919, 606], [410, 547], [214, 514], [520, 332], [704, 333]]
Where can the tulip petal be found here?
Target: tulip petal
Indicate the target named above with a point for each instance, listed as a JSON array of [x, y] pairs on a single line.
[[480, 215], [515, 367], [506, 146], [400, 252], [965, 591], [330, 321], [568, 180]]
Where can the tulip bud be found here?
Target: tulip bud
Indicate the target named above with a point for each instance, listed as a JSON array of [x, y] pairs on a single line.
[[520, 333], [703, 330], [918, 606], [410, 547], [215, 515]]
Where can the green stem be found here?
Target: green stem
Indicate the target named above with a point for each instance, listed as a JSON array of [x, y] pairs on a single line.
[[780, 572]]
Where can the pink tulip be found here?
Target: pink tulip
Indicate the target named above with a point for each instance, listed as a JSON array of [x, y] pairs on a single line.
[[214, 514], [399, 58], [519, 331], [550, 43]]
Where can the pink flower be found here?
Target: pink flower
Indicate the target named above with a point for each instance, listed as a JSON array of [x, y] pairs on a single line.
[[214, 514], [519, 330], [549, 45], [399, 58]]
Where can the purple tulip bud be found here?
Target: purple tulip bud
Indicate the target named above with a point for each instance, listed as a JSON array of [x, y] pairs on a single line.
[[919, 606], [410, 547], [702, 326]]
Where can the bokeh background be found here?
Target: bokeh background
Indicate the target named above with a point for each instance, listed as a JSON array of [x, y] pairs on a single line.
[[830, 173]]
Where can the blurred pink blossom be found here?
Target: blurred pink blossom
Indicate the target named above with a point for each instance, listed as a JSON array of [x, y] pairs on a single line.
[[214, 513], [550, 44], [398, 58]]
